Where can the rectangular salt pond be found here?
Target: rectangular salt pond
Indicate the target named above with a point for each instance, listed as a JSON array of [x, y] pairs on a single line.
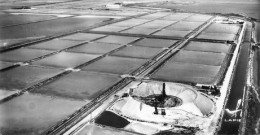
[[110, 28], [184, 26], [217, 36], [52, 27], [95, 48], [22, 54], [117, 39], [196, 57], [55, 44], [15, 19], [138, 52], [176, 16], [161, 22], [31, 114], [101, 130], [79, 85], [172, 33], [198, 18], [65, 60], [208, 47], [186, 72], [130, 22], [154, 15], [24, 76], [115, 65], [223, 28], [157, 24], [153, 42], [83, 36], [138, 30]]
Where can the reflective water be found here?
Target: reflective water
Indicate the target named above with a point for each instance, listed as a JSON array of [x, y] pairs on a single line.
[[108, 118], [115, 65], [23, 54], [155, 15], [24, 76], [82, 36], [79, 85], [117, 39], [217, 36], [55, 44], [33, 114], [95, 48], [153, 42], [130, 22], [110, 28], [231, 121], [171, 33], [48, 28], [98, 130], [176, 16], [138, 52], [14, 19], [196, 57], [185, 26], [257, 35], [139, 30], [186, 72], [198, 18], [65, 60], [208, 47], [156, 24], [223, 28]]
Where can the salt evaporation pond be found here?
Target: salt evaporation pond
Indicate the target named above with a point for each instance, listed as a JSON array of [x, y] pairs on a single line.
[[24, 76], [115, 65], [79, 85], [33, 114], [23, 54], [65, 60], [95, 48]]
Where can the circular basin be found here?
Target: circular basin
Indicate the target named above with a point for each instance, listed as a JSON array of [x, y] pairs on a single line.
[[179, 102]]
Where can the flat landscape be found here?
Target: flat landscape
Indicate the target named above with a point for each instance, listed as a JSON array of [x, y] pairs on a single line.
[[129, 67]]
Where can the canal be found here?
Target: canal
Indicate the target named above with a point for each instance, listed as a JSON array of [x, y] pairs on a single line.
[[233, 109]]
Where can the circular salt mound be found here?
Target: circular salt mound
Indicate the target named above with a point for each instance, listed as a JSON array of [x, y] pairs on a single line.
[[187, 94], [193, 104]]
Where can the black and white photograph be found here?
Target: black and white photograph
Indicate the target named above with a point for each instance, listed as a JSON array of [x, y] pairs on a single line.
[[129, 67]]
